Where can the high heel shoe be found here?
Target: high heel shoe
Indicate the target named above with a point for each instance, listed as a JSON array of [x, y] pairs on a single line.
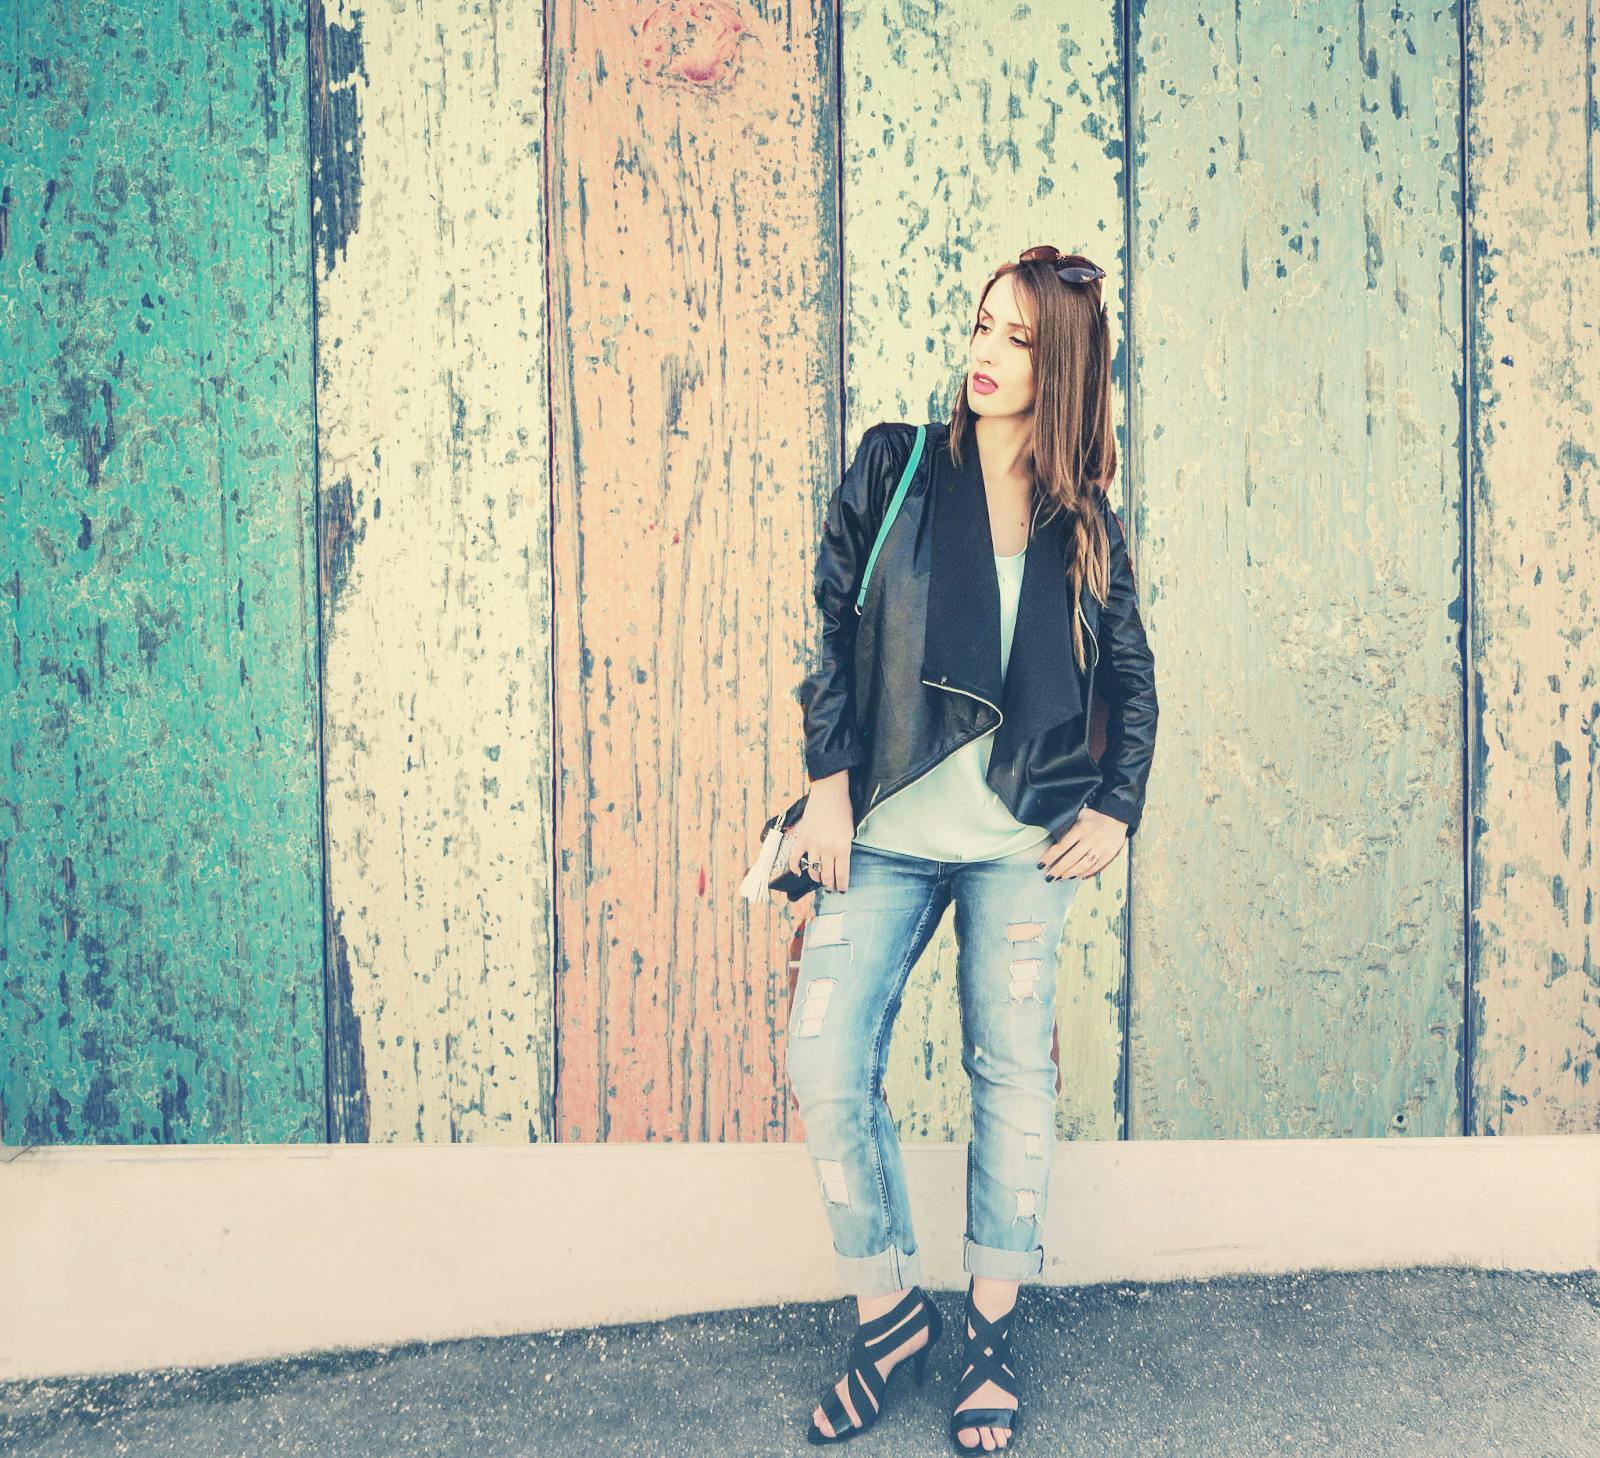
[[987, 1358], [885, 1333]]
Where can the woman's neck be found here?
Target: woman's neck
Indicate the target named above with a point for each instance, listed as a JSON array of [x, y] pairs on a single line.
[[1001, 441]]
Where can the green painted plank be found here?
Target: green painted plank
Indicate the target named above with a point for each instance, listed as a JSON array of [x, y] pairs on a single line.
[[159, 861], [1297, 337]]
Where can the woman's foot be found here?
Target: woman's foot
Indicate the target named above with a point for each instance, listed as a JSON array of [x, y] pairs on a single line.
[[994, 1299], [869, 1307]]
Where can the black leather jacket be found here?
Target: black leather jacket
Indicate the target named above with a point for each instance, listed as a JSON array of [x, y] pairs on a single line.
[[915, 673]]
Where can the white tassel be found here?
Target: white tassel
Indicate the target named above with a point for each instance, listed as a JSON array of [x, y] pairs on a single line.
[[755, 886]]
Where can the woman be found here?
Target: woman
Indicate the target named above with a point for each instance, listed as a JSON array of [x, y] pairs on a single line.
[[948, 744]]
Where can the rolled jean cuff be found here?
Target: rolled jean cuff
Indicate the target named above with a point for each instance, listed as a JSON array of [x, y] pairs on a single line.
[[994, 1264], [879, 1275]]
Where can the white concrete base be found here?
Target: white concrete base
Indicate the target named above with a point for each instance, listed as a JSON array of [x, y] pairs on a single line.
[[122, 1258]]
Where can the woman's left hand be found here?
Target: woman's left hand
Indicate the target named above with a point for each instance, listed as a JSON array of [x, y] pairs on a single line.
[[1087, 846]]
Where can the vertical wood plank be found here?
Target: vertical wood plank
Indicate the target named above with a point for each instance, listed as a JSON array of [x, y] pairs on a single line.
[[1536, 564], [696, 413], [1297, 927], [969, 134], [160, 968], [434, 491]]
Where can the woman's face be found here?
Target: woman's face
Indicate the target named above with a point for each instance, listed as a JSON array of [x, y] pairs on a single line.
[[1001, 351]]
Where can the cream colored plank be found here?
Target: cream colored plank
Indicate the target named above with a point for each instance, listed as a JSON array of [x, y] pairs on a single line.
[[1536, 568], [971, 132], [434, 484]]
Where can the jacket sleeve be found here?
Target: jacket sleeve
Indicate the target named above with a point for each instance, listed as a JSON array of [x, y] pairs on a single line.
[[832, 739], [1126, 675]]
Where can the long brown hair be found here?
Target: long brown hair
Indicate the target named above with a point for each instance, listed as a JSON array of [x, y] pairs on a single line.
[[1072, 448]]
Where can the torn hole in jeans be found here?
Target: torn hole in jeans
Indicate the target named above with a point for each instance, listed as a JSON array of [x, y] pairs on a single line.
[[1024, 931], [1033, 1145], [826, 931], [1025, 979], [813, 1006], [1027, 1205], [834, 1189]]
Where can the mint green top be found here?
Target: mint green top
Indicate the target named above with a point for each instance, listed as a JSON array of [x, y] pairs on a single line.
[[950, 813]]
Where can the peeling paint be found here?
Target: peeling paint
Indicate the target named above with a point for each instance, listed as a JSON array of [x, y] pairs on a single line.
[[341, 533], [338, 62]]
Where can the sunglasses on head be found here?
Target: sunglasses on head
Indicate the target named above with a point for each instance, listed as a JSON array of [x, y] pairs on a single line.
[[1069, 267]]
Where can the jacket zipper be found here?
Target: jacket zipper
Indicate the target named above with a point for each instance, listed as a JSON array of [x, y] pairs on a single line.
[[1088, 704], [946, 755], [1093, 640]]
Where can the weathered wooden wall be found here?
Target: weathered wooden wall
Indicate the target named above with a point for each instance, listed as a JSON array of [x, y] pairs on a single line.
[[475, 378]]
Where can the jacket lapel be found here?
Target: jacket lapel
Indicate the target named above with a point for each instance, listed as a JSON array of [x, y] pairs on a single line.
[[961, 646]]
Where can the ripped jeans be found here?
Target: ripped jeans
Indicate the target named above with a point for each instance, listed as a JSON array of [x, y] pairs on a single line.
[[858, 951]]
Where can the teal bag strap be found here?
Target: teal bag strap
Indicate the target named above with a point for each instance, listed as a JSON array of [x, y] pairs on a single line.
[[889, 515]]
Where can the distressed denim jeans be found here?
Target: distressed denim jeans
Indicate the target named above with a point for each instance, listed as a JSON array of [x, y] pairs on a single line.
[[857, 954]]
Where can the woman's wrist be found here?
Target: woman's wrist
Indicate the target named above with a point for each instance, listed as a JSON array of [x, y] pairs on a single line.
[[838, 783]]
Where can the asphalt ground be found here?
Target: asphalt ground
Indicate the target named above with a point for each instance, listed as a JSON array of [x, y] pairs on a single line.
[[1399, 1363]]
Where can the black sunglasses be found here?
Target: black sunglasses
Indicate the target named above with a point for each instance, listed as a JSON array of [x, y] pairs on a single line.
[[1069, 267]]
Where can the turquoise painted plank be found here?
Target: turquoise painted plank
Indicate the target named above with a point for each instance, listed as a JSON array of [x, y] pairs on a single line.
[[160, 951]]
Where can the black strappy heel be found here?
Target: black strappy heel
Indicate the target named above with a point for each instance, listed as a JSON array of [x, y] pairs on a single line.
[[885, 1333], [987, 1355]]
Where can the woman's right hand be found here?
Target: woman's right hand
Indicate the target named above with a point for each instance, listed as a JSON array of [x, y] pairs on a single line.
[[825, 830]]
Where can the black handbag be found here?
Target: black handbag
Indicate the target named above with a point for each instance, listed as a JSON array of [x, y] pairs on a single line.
[[771, 870]]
